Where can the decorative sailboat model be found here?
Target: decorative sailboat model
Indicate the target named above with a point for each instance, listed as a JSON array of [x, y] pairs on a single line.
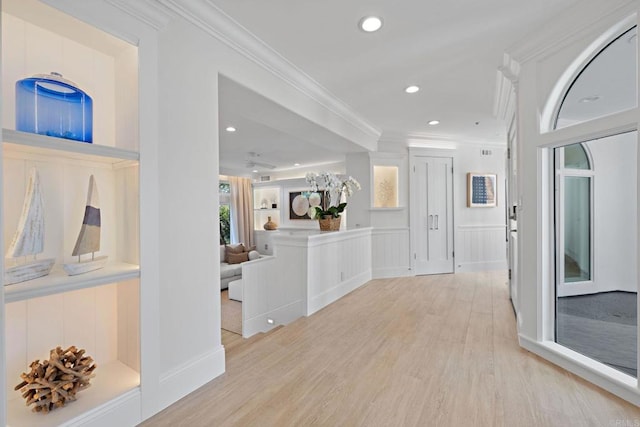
[[89, 238], [29, 237]]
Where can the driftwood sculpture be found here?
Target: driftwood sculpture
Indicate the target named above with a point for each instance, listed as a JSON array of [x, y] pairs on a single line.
[[54, 382]]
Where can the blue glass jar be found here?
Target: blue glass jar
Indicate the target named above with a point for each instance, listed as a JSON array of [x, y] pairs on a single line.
[[47, 104]]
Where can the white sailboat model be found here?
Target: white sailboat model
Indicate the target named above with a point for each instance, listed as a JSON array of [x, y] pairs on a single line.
[[89, 237], [29, 237]]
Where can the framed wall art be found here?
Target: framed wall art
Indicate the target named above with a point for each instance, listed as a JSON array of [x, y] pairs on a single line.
[[482, 191], [301, 201]]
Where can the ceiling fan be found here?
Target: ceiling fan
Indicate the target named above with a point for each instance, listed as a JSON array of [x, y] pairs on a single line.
[[252, 163]]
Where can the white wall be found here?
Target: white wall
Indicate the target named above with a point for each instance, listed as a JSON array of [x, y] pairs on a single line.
[[546, 68], [543, 59], [615, 212], [480, 239], [189, 62]]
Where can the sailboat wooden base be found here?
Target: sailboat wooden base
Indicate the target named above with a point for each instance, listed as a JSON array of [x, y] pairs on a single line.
[[28, 271], [81, 267]]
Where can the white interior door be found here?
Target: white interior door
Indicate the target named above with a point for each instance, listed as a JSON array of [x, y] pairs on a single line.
[[432, 215]]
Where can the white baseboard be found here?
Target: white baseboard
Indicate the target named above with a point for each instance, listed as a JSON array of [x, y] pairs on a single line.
[[472, 267], [597, 373], [343, 288], [281, 316], [390, 272], [191, 375], [121, 411]]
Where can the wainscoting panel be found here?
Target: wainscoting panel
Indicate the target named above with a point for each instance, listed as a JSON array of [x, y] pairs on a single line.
[[390, 252], [338, 263], [480, 248], [272, 291]]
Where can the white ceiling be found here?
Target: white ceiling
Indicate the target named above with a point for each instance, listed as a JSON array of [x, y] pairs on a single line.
[[450, 49], [268, 133]]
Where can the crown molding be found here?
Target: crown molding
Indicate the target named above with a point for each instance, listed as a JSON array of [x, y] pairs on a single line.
[[578, 22], [504, 103], [437, 141], [208, 17], [146, 11]]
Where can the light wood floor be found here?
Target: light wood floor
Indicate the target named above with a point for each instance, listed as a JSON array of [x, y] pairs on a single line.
[[420, 351]]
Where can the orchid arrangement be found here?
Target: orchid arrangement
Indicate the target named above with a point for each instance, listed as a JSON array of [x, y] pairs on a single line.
[[335, 188]]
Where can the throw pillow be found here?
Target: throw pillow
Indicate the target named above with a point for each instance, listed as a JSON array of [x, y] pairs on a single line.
[[253, 255], [232, 249], [238, 258]]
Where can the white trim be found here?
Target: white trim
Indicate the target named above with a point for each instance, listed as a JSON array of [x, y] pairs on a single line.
[[625, 121], [388, 230], [144, 11], [424, 140], [575, 23], [561, 172], [563, 84], [603, 376], [399, 208], [309, 238], [391, 272], [281, 316], [322, 300], [467, 267], [124, 408], [482, 226], [193, 374], [208, 17]]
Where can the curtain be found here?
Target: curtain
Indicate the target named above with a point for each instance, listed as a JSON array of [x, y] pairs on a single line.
[[241, 210]]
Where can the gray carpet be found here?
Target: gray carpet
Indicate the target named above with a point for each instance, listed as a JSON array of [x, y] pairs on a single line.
[[601, 326]]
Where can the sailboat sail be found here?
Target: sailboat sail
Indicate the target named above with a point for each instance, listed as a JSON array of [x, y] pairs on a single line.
[[29, 237], [89, 237]]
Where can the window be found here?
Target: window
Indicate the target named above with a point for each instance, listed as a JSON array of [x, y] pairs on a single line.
[[595, 210], [606, 85], [225, 212], [573, 219]]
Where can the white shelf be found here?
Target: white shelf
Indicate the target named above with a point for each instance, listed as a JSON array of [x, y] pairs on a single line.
[[58, 281], [24, 143], [113, 380], [266, 209]]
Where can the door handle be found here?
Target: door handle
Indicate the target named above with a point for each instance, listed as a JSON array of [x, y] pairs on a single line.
[[437, 223], [430, 222]]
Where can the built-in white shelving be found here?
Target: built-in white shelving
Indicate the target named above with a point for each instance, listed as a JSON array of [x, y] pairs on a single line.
[[24, 143], [98, 311], [266, 195], [113, 380], [58, 281]]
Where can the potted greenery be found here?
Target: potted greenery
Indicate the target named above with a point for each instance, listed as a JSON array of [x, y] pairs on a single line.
[[335, 189]]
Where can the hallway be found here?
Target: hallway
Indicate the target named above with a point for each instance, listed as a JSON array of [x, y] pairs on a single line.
[[415, 351]]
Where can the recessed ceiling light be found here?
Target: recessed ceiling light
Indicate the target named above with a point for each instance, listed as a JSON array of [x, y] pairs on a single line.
[[296, 164], [592, 98], [434, 122], [255, 171], [412, 89], [370, 24], [230, 129]]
